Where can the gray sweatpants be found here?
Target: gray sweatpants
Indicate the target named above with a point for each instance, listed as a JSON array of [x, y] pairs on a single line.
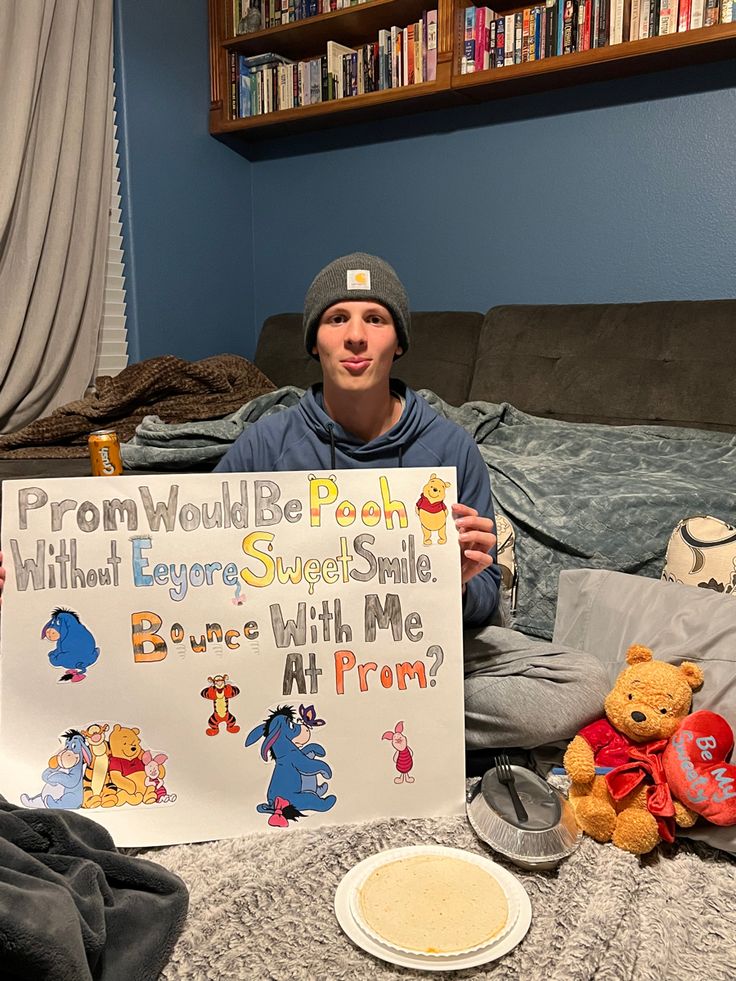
[[525, 692]]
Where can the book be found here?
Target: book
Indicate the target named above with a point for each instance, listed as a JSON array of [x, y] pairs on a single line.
[[518, 35], [653, 18], [620, 21], [697, 12], [683, 18], [267, 58], [550, 33], [500, 42], [233, 85], [508, 51], [603, 24], [569, 26], [335, 53], [635, 18], [712, 13], [478, 38], [431, 45], [668, 15], [467, 65]]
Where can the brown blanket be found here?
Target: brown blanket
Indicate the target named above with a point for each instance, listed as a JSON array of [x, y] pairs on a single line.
[[168, 387]]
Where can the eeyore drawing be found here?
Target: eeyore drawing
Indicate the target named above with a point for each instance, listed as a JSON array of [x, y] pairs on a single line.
[[75, 646], [294, 787], [63, 778]]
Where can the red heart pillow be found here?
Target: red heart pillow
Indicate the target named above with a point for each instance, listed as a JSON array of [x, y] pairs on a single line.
[[696, 768]]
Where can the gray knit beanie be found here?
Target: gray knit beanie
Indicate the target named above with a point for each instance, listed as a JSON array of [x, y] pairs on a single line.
[[356, 277]]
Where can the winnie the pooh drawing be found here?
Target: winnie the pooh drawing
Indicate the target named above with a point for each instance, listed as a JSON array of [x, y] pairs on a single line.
[[432, 510]]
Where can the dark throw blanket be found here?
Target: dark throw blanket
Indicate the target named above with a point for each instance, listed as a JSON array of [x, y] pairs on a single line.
[[73, 908], [175, 390]]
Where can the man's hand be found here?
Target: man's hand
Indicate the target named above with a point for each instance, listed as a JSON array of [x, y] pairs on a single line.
[[2, 578], [477, 538]]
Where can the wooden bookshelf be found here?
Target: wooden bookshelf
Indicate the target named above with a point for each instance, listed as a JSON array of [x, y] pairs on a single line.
[[598, 64], [360, 24]]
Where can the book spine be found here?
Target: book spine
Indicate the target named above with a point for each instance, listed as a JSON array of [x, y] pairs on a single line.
[[551, 29], [508, 50], [500, 43], [654, 18], [418, 57], [568, 27], [479, 32], [525, 35], [712, 13], [635, 18], [533, 33], [668, 11], [541, 25], [727, 11], [233, 85], [683, 18], [468, 61], [518, 36], [431, 45], [696, 14]]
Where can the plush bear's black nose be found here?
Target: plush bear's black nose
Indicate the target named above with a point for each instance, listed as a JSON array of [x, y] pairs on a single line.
[[638, 717]]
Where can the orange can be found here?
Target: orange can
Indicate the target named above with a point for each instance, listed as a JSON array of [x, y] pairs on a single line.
[[104, 453]]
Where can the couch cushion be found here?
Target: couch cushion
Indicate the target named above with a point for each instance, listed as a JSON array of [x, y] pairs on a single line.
[[619, 363], [441, 357]]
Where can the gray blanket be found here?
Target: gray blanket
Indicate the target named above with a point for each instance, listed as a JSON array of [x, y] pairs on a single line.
[[73, 908], [578, 495], [262, 908]]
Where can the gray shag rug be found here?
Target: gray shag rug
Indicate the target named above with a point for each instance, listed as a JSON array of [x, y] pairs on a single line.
[[261, 907]]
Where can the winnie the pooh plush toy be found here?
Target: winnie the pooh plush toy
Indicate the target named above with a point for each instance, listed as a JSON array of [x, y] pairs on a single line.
[[632, 804]]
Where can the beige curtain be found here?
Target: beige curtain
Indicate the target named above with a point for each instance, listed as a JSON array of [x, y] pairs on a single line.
[[55, 172]]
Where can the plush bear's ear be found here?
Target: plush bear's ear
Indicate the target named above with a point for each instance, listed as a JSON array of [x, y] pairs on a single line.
[[637, 654], [692, 674]]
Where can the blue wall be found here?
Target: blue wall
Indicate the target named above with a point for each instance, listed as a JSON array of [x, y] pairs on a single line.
[[187, 198], [614, 191]]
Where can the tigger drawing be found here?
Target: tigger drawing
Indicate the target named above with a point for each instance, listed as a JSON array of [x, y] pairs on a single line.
[[220, 691], [98, 790]]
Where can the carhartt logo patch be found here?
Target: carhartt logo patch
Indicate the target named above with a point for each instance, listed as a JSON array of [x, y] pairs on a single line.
[[359, 279]]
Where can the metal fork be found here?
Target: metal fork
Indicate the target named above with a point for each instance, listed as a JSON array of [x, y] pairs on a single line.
[[506, 776]]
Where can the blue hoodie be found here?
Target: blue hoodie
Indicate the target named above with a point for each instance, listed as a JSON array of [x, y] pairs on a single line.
[[304, 437]]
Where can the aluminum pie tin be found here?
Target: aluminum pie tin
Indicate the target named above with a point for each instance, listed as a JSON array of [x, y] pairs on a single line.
[[550, 835]]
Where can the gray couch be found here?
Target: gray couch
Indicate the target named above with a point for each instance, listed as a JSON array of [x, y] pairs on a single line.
[[667, 363]]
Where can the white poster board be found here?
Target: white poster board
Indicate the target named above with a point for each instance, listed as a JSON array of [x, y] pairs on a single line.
[[189, 657]]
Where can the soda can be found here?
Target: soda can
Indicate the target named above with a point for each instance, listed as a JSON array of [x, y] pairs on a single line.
[[104, 453]]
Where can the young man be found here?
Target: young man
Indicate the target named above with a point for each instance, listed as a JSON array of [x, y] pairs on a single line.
[[356, 322], [519, 692]]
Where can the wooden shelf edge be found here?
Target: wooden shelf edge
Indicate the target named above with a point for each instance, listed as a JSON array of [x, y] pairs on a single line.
[[333, 106], [340, 112]]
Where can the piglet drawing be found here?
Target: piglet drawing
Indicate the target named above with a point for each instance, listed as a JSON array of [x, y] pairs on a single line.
[[403, 757], [154, 767]]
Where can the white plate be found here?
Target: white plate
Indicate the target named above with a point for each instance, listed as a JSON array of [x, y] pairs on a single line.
[[496, 948]]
